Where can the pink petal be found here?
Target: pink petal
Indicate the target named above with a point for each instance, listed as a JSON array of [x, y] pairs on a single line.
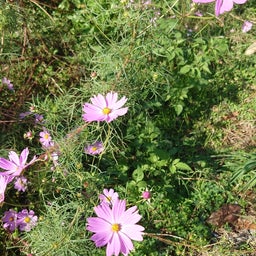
[[98, 225], [114, 246], [118, 209], [218, 5], [99, 101], [119, 103], [94, 116], [24, 156], [134, 232], [239, 1], [101, 238], [126, 243], [89, 107], [111, 99], [116, 113], [14, 157], [7, 165], [226, 6], [104, 211]]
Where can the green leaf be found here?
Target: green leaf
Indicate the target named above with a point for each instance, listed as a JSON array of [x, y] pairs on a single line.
[[185, 69], [178, 109], [142, 184], [138, 175], [172, 169], [182, 166]]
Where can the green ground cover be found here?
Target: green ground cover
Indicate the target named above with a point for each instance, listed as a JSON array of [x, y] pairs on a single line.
[[188, 136]]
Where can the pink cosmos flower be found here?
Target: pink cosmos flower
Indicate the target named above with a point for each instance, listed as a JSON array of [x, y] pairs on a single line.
[[222, 6], [46, 139], [26, 220], [94, 149], [104, 108], [16, 164], [10, 220], [21, 183], [4, 180], [115, 227], [247, 26], [108, 196]]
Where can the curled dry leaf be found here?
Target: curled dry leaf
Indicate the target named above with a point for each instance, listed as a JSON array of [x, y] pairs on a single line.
[[228, 213]]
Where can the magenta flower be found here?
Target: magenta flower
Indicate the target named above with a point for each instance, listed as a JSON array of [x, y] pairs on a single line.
[[4, 180], [247, 26], [26, 220], [146, 195], [104, 108], [222, 6], [16, 164], [94, 149], [8, 83], [115, 227], [108, 196], [46, 139], [10, 220], [21, 183]]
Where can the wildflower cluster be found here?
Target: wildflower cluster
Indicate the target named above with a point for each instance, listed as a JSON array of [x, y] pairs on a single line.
[[101, 108], [14, 168], [24, 220], [115, 226]]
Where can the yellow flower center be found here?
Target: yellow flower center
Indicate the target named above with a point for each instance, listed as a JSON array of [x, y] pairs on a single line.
[[116, 227], [27, 219], [46, 136], [11, 219], [94, 148], [106, 111]]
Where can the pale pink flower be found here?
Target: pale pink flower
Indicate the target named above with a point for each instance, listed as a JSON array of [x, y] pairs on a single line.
[[104, 108], [21, 183], [247, 26], [26, 220], [222, 6], [108, 196], [94, 149], [115, 227], [10, 220], [16, 164], [46, 139]]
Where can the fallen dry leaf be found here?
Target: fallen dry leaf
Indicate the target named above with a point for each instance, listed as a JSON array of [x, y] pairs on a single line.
[[228, 213]]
